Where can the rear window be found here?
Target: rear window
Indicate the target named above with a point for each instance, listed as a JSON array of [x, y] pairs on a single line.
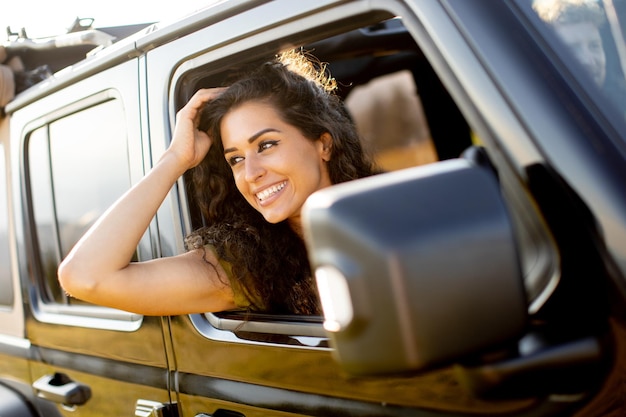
[[78, 166]]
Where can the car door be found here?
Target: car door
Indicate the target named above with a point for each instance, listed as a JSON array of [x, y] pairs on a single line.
[[234, 363], [79, 149]]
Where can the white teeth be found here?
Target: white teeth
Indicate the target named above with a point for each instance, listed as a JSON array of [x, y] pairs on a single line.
[[270, 191]]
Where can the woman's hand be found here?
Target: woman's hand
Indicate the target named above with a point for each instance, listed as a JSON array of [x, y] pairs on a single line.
[[189, 144]]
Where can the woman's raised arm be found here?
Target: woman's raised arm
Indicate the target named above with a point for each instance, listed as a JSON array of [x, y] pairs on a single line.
[[98, 268]]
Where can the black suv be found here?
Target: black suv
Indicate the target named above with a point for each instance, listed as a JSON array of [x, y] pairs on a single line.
[[484, 273]]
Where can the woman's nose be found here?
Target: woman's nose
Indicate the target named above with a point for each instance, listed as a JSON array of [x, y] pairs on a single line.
[[254, 169]]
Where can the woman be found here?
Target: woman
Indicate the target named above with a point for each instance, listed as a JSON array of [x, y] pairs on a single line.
[[259, 148], [583, 26]]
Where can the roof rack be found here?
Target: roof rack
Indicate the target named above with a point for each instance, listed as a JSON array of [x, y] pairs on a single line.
[[26, 61]]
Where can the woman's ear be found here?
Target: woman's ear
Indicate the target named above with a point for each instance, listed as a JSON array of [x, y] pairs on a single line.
[[326, 141]]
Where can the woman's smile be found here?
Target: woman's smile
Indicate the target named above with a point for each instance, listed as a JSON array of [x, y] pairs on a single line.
[[270, 193]]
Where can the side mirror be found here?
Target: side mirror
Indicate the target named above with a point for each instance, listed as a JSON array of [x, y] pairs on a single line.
[[415, 268]]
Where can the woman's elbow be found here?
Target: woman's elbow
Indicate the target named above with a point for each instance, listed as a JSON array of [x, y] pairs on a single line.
[[74, 281]]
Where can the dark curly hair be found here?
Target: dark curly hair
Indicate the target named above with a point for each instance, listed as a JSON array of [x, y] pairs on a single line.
[[269, 261]]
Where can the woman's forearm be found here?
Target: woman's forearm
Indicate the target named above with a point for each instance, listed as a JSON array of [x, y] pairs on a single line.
[[110, 243], [98, 268]]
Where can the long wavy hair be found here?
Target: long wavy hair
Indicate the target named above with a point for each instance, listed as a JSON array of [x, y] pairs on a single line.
[[269, 261]]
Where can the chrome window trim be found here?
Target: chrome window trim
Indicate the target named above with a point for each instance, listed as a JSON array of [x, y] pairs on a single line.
[[293, 334]]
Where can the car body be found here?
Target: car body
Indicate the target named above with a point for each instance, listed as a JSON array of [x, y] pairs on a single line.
[[548, 149]]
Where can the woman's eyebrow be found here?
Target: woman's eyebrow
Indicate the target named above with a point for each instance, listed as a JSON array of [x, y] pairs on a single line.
[[253, 138]]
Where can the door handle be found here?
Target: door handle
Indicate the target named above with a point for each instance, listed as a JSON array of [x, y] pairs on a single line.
[[221, 413], [59, 388]]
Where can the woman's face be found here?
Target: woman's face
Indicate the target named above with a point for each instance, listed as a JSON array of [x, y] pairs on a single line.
[[585, 42], [275, 167]]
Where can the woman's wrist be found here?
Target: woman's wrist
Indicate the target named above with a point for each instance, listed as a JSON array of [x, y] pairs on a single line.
[[171, 162]]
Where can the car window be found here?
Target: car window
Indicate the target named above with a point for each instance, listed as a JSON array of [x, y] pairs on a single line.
[[592, 32], [381, 82], [382, 88], [406, 117], [78, 166], [6, 285]]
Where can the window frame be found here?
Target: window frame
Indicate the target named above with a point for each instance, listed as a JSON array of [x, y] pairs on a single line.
[[49, 311]]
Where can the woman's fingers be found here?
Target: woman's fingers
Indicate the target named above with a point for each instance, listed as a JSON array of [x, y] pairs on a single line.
[[189, 142], [199, 99]]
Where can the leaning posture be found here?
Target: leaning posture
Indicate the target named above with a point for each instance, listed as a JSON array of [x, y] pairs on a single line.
[[258, 148]]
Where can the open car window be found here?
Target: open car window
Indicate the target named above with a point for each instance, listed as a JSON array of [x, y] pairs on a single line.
[[384, 80], [405, 116]]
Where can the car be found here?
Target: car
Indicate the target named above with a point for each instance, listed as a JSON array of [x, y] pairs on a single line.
[[482, 272]]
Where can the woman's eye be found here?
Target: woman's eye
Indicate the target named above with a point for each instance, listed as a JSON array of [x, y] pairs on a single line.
[[234, 160], [266, 144]]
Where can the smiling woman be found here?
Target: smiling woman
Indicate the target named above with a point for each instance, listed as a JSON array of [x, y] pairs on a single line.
[[260, 148], [280, 134]]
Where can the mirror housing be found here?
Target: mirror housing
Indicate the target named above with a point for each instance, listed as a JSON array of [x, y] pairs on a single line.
[[415, 268]]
